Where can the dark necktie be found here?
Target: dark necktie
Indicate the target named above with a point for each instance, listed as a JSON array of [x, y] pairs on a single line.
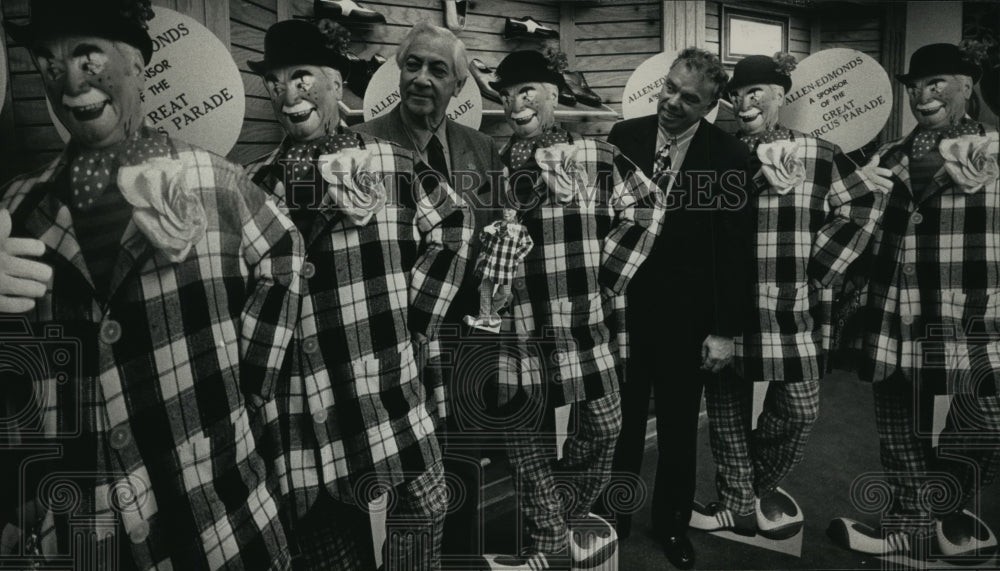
[[662, 162], [435, 156]]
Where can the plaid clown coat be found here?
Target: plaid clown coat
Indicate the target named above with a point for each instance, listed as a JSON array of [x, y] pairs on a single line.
[[815, 215], [932, 309], [149, 396], [352, 417], [503, 251], [569, 310]]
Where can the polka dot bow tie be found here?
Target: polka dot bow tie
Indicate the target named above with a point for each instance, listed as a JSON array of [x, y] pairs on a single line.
[[300, 158], [927, 140], [93, 170], [523, 150], [752, 141]]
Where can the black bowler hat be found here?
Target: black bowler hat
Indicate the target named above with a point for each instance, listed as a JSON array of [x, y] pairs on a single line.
[[297, 42], [525, 66], [753, 70], [940, 59], [114, 20]]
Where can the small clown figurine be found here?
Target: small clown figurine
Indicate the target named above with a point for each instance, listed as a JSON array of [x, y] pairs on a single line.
[[505, 245]]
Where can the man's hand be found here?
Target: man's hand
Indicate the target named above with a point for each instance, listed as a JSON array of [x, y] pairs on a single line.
[[717, 352], [22, 281], [882, 177]]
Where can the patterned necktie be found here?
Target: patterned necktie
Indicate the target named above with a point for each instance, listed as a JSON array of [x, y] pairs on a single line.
[[662, 162], [435, 156], [93, 170], [927, 140]]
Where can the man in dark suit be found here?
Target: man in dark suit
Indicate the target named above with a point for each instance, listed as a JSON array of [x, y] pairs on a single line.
[[685, 303], [433, 69]]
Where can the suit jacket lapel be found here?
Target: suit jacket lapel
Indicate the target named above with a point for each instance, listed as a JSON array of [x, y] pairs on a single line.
[[646, 152], [461, 149], [698, 152]]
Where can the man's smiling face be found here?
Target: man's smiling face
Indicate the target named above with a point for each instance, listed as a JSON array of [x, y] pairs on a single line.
[[93, 85], [685, 98], [530, 107], [305, 99], [938, 101], [756, 106]]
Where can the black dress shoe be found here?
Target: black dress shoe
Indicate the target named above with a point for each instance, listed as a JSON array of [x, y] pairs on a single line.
[[484, 74], [361, 72], [347, 10], [527, 27], [566, 96], [578, 86], [679, 551]]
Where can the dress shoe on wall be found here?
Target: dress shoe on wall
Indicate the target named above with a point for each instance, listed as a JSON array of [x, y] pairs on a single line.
[[527, 27], [347, 10]]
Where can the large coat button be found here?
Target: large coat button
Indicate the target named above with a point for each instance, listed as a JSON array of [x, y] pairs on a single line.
[[310, 345], [308, 270], [120, 438], [111, 331], [320, 416]]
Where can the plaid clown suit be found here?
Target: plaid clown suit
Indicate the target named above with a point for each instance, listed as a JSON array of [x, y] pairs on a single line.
[[351, 424], [145, 416], [590, 235], [932, 317], [505, 244], [815, 215]]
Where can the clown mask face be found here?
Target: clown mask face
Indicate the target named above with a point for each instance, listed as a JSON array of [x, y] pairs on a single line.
[[305, 99], [756, 107], [93, 85], [939, 101], [529, 107]]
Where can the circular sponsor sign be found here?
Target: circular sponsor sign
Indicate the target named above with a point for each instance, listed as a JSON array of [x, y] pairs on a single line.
[[383, 94], [840, 95], [642, 90], [192, 90]]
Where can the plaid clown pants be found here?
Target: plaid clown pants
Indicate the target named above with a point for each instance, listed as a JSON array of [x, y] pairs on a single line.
[[337, 536], [552, 493], [753, 461], [967, 455]]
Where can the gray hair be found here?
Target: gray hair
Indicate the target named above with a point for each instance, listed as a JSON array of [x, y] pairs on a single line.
[[458, 57], [710, 66]]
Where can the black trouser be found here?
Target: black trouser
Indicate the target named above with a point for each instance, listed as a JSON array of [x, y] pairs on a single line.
[[671, 368]]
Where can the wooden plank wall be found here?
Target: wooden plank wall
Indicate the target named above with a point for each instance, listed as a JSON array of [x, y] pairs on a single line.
[[611, 41], [249, 21], [30, 139]]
